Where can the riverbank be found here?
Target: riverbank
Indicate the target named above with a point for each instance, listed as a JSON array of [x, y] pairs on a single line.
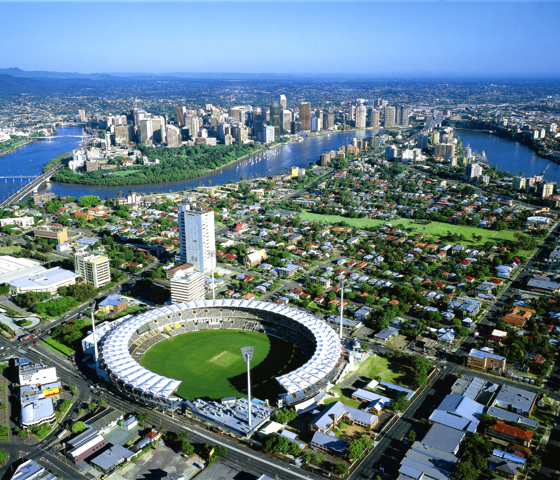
[[17, 147], [201, 174], [148, 177]]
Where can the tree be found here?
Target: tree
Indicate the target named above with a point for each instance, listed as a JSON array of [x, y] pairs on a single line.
[[142, 417], [412, 436], [221, 451], [400, 403], [341, 469], [78, 427], [73, 389], [64, 405], [187, 448]]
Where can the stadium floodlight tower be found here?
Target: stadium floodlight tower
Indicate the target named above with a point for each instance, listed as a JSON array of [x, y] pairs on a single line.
[[96, 353], [213, 256], [248, 356], [341, 278]]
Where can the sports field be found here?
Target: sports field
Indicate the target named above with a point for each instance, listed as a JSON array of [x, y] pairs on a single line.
[[433, 228], [210, 364]]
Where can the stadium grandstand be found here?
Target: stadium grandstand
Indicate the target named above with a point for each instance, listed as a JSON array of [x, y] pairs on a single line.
[[123, 347]]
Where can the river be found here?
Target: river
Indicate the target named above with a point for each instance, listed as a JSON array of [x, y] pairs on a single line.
[[30, 160], [509, 155], [298, 154]]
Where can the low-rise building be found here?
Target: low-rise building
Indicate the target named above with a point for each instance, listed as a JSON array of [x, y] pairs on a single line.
[[507, 435], [48, 281], [515, 400], [31, 470], [486, 362], [519, 316], [112, 458], [52, 232], [23, 222], [113, 305]]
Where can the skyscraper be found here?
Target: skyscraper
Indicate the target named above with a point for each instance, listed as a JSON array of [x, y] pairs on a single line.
[[197, 242], [305, 116], [389, 117], [181, 115], [361, 115], [328, 120], [282, 101], [146, 132], [374, 123], [83, 117], [173, 136], [403, 116], [275, 118], [286, 120], [195, 127], [351, 112]]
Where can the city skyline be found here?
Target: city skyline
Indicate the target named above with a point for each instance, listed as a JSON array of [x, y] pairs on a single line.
[[401, 39]]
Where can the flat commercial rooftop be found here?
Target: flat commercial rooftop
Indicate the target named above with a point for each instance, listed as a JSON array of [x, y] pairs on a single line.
[[232, 416]]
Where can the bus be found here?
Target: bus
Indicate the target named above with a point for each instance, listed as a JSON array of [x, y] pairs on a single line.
[[25, 337], [61, 434]]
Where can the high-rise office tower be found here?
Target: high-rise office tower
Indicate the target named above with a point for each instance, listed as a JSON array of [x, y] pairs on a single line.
[[158, 129], [305, 116], [83, 117], [197, 242], [389, 117], [123, 134], [328, 120], [403, 116], [286, 120], [107, 140], [374, 122], [361, 115], [181, 115], [275, 119], [146, 131], [282, 101], [173, 136]]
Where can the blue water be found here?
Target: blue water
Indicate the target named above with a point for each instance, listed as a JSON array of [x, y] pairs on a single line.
[[298, 154], [508, 155]]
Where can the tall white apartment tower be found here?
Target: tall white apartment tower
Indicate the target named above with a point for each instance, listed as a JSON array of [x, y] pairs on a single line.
[[361, 116], [197, 240]]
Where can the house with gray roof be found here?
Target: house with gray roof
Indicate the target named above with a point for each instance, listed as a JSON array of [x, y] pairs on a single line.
[[335, 412], [458, 412], [515, 400], [329, 442], [444, 438]]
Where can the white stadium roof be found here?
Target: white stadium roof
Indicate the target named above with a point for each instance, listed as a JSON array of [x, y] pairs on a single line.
[[121, 364]]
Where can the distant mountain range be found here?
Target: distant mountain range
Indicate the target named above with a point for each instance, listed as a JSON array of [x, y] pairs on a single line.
[[42, 74]]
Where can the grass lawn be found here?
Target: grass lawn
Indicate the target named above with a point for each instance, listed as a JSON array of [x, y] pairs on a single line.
[[3, 457], [209, 363], [383, 367], [340, 397], [58, 347], [16, 247], [433, 228]]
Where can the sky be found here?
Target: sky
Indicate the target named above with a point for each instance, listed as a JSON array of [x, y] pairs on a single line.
[[370, 38]]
